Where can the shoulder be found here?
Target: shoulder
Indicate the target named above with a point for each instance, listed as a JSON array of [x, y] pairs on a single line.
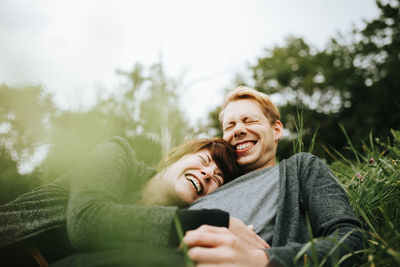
[[116, 141], [303, 158], [114, 146], [307, 166]]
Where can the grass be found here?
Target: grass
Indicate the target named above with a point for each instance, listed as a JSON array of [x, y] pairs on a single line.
[[372, 182], [371, 179]]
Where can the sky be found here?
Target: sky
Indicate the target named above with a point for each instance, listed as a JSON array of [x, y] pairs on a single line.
[[73, 48]]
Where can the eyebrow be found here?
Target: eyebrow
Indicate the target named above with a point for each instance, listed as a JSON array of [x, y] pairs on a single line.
[[228, 123]]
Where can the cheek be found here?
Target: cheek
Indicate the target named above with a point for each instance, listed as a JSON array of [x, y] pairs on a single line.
[[212, 188], [183, 193], [227, 136]]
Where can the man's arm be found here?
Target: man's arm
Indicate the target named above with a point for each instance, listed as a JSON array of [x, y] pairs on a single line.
[[335, 228]]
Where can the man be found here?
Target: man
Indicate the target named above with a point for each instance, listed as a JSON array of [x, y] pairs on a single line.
[[287, 203]]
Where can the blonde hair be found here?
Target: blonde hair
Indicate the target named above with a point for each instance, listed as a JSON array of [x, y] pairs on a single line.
[[269, 109]]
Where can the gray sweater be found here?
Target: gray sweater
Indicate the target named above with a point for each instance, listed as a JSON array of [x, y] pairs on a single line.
[[307, 191]]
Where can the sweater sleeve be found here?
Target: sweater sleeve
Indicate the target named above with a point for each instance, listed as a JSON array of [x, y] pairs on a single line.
[[97, 217], [335, 228], [35, 212], [192, 219]]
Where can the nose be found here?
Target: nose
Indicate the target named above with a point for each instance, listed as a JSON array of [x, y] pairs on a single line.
[[206, 174], [239, 130]]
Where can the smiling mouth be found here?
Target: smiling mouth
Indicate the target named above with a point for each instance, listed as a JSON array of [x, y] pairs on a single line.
[[195, 183], [243, 147]]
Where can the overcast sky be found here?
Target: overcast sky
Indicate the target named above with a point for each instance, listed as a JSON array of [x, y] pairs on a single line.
[[73, 47]]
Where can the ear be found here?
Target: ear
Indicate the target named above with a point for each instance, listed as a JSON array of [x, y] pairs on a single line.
[[278, 130]]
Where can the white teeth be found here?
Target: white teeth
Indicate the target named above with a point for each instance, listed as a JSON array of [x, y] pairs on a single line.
[[244, 146], [196, 184]]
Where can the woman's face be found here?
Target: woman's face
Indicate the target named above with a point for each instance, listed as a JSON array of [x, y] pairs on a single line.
[[192, 176]]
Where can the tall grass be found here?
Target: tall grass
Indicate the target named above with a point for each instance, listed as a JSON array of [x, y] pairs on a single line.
[[371, 178], [372, 182]]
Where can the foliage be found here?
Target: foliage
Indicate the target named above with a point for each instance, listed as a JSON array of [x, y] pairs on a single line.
[[352, 81], [144, 111], [372, 182], [24, 116], [12, 183], [371, 179]]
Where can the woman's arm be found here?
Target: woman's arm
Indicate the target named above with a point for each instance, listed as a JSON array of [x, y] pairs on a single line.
[[98, 216]]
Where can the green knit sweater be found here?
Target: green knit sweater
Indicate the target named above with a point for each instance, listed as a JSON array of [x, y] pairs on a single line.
[[95, 204]]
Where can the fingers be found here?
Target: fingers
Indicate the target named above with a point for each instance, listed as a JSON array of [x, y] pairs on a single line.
[[258, 238], [251, 238], [219, 246], [262, 242], [208, 236], [214, 255], [211, 236]]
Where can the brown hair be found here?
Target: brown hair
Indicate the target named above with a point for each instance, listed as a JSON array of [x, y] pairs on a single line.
[[221, 152], [269, 109]]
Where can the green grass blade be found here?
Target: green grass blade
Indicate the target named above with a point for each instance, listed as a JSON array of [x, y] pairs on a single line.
[[178, 226]]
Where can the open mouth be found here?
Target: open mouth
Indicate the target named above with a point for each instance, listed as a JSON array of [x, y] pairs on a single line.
[[243, 147], [196, 184]]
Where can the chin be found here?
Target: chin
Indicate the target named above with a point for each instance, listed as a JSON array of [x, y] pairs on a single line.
[[245, 161]]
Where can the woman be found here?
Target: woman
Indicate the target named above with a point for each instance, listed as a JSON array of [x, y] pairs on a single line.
[[104, 202]]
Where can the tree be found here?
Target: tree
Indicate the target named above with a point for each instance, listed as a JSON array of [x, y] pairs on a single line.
[[144, 111], [352, 82], [24, 124], [153, 102]]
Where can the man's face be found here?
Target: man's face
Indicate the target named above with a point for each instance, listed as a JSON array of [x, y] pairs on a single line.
[[247, 129]]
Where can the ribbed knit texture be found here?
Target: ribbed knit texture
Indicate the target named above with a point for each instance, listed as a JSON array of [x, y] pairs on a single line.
[[35, 212], [309, 191], [98, 214]]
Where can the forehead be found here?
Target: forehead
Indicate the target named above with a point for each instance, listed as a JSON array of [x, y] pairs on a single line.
[[202, 152], [241, 108]]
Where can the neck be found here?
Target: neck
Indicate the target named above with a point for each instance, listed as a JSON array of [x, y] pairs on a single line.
[[154, 193], [270, 163]]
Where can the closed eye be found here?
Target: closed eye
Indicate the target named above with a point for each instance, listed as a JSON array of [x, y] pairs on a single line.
[[218, 179], [228, 126], [250, 120], [205, 159]]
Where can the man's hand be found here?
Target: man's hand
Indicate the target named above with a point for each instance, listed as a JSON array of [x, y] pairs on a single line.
[[210, 245]]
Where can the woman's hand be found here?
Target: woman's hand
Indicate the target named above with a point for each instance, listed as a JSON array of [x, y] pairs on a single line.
[[218, 246], [246, 233]]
